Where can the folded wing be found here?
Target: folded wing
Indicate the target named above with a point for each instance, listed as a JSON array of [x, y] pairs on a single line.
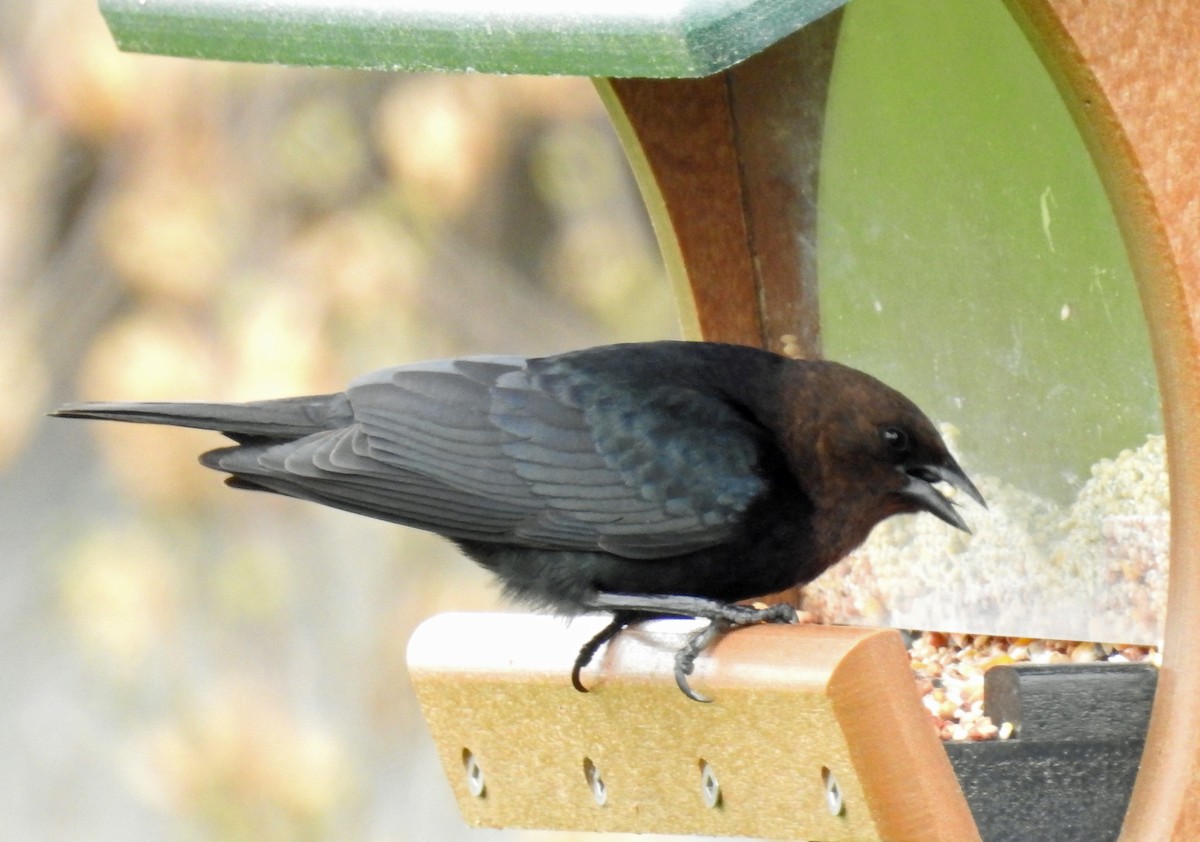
[[533, 453]]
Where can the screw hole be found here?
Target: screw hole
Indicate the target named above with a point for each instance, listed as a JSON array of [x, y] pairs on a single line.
[[595, 783], [710, 787], [474, 774], [833, 793]]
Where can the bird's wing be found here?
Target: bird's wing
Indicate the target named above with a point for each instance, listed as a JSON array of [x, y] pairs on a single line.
[[677, 466], [519, 452]]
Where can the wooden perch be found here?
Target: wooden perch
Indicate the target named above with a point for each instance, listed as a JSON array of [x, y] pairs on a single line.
[[815, 732]]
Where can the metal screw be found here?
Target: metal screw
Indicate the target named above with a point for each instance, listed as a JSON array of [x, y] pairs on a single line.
[[475, 782], [833, 793], [595, 782], [710, 787]]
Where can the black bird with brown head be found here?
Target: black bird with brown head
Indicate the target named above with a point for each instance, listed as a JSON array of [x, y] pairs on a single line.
[[646, 480]]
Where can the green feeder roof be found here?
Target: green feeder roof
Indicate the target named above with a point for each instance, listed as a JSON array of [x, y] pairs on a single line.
[[650, 38]]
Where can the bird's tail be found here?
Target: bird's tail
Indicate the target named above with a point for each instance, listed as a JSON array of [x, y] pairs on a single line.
[[286, 418]]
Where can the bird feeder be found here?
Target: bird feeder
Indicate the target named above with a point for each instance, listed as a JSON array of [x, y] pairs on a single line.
[[730, 113]]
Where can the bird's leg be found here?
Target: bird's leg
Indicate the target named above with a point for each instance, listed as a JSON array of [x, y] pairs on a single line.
[[692, 606], [620, 620], [722, 617]]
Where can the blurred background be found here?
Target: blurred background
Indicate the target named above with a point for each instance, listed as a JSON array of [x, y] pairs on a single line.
[[182, 661]]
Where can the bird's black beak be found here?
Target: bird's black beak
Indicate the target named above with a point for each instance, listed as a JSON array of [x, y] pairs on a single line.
[[920, 490]]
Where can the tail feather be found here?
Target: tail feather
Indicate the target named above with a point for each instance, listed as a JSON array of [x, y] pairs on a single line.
[[287, 418]]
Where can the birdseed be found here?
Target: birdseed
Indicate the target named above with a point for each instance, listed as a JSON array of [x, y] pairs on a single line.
[[1095, 569], [949, 670]]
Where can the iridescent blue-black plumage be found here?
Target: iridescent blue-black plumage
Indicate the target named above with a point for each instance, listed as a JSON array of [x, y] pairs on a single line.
[[660, 470]]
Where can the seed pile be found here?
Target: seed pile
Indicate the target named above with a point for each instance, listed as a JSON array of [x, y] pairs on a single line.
[[949, 671]]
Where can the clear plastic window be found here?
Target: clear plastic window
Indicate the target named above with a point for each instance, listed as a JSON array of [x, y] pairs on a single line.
[[969, 256]]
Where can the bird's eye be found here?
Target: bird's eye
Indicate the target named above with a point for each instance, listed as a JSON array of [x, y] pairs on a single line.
[[896, 439]]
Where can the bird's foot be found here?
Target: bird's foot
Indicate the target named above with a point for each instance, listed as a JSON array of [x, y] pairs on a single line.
[[685, 658], [722, 617], [731, 617], [620, 620], [749, 615]]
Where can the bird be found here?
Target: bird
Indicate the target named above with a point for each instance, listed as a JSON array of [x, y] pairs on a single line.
[[642, 480]]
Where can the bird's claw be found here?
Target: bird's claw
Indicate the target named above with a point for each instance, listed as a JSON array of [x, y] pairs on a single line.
[[588, 651], [681, 674], [581, 661], [685, 658], [734, 616], [721, 619]]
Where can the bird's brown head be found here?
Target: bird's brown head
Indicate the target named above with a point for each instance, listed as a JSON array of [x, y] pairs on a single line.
[[867, 450]]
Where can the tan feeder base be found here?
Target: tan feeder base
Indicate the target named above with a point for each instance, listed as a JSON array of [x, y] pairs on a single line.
[[814, 732]]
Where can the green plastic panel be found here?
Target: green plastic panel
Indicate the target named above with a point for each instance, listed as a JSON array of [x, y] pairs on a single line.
[[617, 38], [970, 257]]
